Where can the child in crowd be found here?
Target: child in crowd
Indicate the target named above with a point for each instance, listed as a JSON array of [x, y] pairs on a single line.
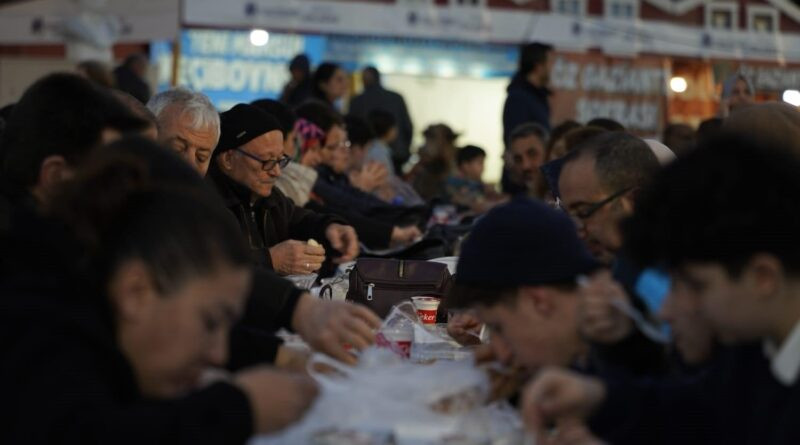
[[384, 126], [465, 187]]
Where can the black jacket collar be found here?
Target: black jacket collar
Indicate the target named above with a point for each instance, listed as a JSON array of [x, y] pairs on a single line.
[[235, 194]]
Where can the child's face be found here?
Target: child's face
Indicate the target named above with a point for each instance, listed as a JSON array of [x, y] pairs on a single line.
[[473, 169]]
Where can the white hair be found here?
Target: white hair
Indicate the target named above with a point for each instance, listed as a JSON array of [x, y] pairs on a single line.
[[194, 104]]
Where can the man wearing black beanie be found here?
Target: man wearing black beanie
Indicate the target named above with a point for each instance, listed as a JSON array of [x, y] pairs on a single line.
[[274, 303], [518, 269], [247, 162]]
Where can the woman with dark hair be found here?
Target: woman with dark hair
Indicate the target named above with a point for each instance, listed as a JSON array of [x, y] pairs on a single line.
[[108, 338], [330, 84]]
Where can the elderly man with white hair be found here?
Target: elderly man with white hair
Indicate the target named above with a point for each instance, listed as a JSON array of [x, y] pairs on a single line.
[[188, 123]]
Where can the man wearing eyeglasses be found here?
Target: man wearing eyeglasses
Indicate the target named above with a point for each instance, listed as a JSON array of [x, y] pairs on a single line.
[[596, 188], [597, 185], [253, 138], [247, 162]]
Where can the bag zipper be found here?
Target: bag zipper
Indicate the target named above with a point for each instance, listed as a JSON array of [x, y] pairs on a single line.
[[412, 285], [371, 288]]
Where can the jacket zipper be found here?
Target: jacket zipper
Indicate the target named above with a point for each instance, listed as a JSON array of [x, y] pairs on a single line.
[[264, 226], [247, 226]]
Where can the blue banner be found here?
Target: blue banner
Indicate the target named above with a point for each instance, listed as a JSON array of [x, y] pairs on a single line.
[[228, 68]]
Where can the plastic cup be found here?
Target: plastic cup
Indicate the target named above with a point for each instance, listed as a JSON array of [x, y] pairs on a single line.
[[426, 307], [399, 340]]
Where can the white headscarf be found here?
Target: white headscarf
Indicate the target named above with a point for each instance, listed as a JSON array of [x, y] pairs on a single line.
[[662, 152]]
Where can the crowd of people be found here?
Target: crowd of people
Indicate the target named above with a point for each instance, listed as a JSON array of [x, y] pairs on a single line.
[[636, 291]]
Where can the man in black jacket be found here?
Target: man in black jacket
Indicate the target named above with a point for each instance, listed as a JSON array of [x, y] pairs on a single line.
[[188, 122], [528, 93], [284, 237]]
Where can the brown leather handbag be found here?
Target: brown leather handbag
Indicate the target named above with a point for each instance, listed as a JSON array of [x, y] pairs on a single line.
[[381, 283]]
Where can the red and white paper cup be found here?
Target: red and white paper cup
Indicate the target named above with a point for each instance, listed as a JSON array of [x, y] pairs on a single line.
[[426, 309]]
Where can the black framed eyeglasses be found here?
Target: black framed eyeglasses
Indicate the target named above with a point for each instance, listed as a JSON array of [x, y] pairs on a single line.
[[268, 164], [591, 209]]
